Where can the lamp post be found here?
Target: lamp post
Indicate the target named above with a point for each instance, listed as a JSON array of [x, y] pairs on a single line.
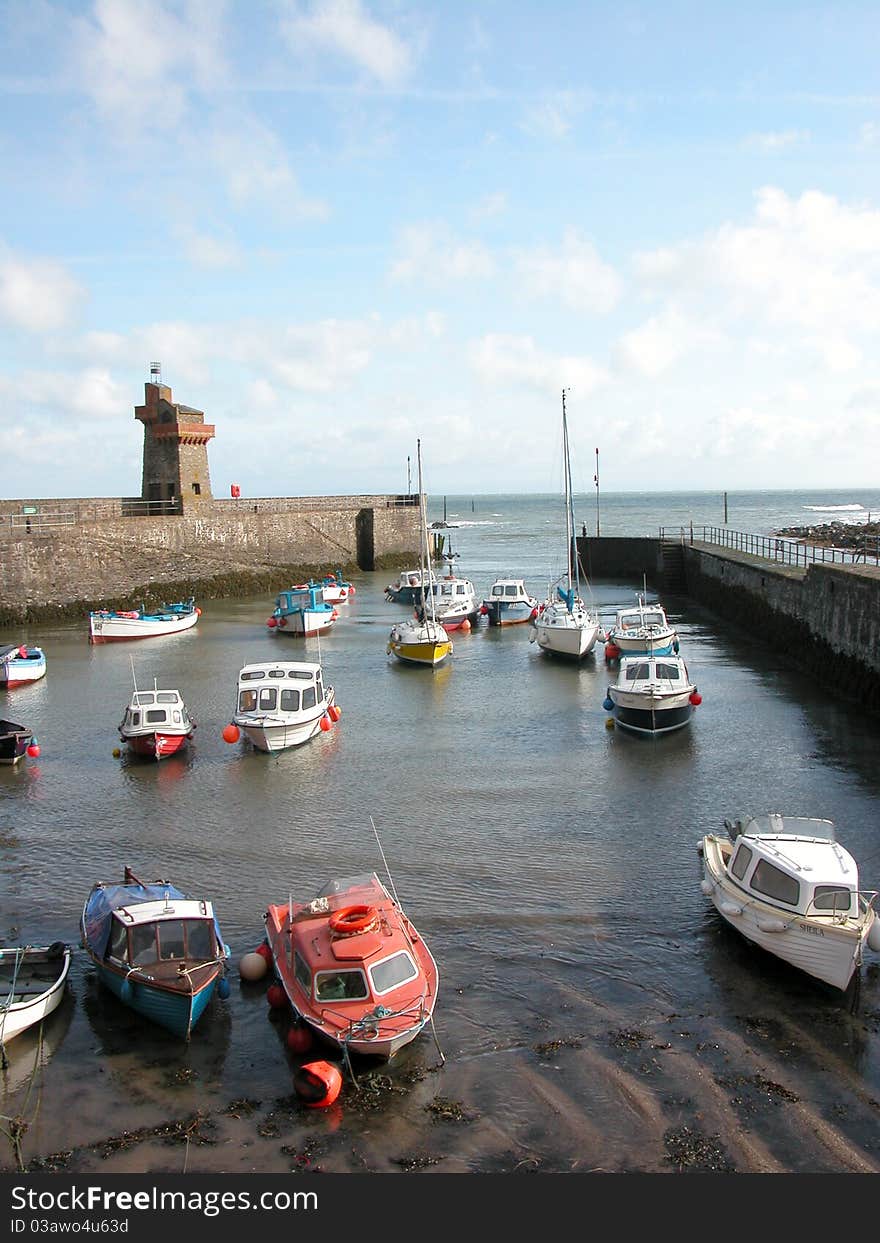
[[596, 480]]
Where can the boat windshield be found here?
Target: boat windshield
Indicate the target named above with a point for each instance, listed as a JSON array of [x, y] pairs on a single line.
[[166, 940], [367, 880], [774, 824], [340, 986]]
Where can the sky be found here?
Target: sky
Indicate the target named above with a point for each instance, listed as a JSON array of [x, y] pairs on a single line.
[[342, 227]]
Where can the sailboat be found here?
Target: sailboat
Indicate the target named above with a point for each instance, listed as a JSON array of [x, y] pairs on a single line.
[[421, 640], [564, 625]]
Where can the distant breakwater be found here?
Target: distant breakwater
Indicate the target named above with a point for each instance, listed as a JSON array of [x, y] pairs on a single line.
[[835, 534]]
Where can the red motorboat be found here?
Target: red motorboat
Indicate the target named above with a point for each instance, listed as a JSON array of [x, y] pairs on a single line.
[[156, 724], [353, 966]]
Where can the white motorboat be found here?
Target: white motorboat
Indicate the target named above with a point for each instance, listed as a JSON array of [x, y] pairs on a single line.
[[643, 630], [456, 603], [282, 704], [421, 640], [32, 981], [509, 603], [111, 625], [652, 694], [564, 626], [302, 611], [787, 885]]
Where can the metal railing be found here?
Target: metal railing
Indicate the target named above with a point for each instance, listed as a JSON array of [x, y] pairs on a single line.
[[777, 548]]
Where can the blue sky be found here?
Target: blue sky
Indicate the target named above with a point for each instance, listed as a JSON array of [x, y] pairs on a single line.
[[342, 225]]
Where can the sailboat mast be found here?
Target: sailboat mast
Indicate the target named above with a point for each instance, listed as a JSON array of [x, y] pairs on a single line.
[[573, 577], [424, 555]]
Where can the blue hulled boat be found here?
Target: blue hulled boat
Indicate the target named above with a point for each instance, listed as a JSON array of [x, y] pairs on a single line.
[[157, 949]]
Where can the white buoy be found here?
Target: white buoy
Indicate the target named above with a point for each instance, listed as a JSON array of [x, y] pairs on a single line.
[[252, 966]]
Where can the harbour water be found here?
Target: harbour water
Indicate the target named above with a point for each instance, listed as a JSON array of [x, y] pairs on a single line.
[[593, 1013]]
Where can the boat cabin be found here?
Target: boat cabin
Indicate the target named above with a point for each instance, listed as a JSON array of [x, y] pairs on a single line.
[[652, 618], [282, 687], [794, 863], [164, 931], [670, 671], [452, 590], [154, 709], [506, 589]]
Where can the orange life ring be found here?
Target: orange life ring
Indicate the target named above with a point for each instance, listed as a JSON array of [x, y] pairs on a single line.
[[350, 920]]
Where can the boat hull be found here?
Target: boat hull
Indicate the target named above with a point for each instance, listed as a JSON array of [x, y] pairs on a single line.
[[156, 746], [643, 714], [22, 670], [509, 614], [304, 623], [111, 628], [646, 645], [270, 736], [827, 950], [37, 997], [562, 635], [14, 742], [177, 1011]]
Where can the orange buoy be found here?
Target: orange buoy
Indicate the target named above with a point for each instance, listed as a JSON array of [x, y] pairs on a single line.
[[696, 698], [465, 625], [350, 920], [231, 733], [198, 612], [612, 651], [271, 622], [325, 723], [318, 1084], [334, 712]]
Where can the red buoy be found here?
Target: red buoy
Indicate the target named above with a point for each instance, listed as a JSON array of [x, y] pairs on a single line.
[[612, 651], [334, 712], [231, 733], [271, 622], [33, 750], [318, 1084], [276, 996], [264, 951], [299, 1039], [695, 698], [325, 723]]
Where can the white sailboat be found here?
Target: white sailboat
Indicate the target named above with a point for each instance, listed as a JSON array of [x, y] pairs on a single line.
[[421, 640], [565, 626]]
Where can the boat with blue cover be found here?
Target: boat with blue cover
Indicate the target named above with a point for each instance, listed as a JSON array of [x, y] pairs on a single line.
[[157, 949], [114, 625]]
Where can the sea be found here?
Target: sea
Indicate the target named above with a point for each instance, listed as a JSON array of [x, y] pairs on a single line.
[[594, 1014]]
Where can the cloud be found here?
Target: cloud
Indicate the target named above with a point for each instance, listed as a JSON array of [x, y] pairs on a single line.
[[779, 140], [139, 59], [574, 274], [92, 394], [869, 134], [658, 343], [253, 163], [429, 253], [551, 119], [490, 205], [37, 295], [499, 359], [344, 28]]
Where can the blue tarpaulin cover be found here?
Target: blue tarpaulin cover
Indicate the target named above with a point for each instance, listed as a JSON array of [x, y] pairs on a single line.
[[102, 902]]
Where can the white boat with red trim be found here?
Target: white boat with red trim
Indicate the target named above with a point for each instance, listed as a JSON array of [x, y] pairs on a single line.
[[156, 723], [20, 665], [302, 611], [113, 626], [283, 703]]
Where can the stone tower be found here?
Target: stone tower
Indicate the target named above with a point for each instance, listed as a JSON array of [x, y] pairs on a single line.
[[175, 448]]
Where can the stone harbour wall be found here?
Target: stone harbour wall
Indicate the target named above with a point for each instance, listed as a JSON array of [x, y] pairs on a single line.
[[216, 549]]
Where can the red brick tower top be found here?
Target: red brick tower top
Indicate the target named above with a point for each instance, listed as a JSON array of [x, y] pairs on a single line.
[[175, 447]]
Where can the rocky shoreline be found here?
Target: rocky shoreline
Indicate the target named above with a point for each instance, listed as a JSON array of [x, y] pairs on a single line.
[[834, 534]]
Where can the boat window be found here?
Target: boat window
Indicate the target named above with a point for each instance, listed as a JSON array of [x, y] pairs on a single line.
[[268, 697], [276, 673], [143, 944], [671, 672], [340, 986], [638, 672], [144, 697], [309, 697], [118, 941], [166, 697], [305, 675], [652, 619], [247, 701], [497, 591], [200, 942], [831, 898], [175, 715], [252, 675], [741, 861], [392, 972], [289, 700], [156, 716], [172, 943], [769, 879], [135, 718], [303, 973], [511, 590]]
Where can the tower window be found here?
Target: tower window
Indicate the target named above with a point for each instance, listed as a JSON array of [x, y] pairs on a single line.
[[197, 489]]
